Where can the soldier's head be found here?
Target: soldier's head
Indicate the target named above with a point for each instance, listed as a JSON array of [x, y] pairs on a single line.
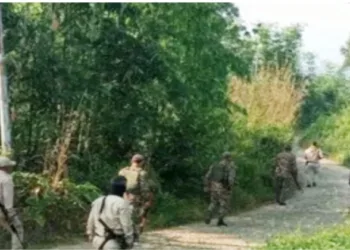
[[315, 144], [288, 148], [226, 156], [6, 164], [137, 160], [118, 186]]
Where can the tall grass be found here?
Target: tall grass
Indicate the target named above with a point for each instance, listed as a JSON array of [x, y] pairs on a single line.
[[270, 98]]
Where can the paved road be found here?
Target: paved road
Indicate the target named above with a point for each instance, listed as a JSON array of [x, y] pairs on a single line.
[[318, 207]]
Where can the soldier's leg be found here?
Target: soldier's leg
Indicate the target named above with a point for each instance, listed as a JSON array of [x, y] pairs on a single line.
[[315, 170], [16, 240], [279, 190], [112, 245], [143, 219], [224, 204], [212, 206], [109, 245], [308, 175], [137, 216]]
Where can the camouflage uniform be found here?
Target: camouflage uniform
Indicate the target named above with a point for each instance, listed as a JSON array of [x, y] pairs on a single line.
[[141, 192], [6, 199], [219, 181], [286, 166]]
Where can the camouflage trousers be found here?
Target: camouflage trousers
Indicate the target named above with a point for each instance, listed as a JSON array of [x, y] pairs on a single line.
[[219, 200], [279, 185], [16, 243], [137, 211]]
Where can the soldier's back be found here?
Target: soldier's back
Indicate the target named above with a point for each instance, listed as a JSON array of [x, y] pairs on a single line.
[[218, 172], [284, 163]]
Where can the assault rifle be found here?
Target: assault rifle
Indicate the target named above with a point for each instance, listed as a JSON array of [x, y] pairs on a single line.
[[9, 222]]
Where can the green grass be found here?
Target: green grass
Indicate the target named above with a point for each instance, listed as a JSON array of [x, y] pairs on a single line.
[[337, 238]]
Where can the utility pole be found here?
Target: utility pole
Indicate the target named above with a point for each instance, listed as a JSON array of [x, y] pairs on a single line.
[[5, 127]]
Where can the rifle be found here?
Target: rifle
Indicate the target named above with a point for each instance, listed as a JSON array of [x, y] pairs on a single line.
[[13, 228]]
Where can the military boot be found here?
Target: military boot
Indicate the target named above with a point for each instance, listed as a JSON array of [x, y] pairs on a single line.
[[221, 222]]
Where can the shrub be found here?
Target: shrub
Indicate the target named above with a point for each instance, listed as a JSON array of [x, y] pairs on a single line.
[[49, 213], [332, 132], [270, 98], [336, 238]]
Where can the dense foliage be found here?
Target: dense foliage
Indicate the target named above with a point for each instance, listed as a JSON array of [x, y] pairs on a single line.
[[91, 84]]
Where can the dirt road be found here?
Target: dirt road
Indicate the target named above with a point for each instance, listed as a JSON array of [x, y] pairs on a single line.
[[322, 206]]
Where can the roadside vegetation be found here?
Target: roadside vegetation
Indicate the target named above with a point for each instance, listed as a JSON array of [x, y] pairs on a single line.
[[336, 238]]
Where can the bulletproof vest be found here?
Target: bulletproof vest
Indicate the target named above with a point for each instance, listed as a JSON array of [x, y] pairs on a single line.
[[133, 179], [219, 173]]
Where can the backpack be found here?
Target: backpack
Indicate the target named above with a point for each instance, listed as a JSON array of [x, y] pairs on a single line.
[[219, 173], [132, 179]]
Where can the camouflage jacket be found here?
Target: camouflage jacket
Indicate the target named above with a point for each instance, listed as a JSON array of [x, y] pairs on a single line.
[[286, 164], [141, 176], [223, 172]]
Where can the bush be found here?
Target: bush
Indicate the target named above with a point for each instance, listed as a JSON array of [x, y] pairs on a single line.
[[326, 94], [336, 238], [49, 213]]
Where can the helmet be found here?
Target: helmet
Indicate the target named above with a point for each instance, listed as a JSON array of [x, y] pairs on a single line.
[[226, 155]]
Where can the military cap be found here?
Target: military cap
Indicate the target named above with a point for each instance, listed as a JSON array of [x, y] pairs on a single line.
[[226, 155], [137, 158], [6, 162]]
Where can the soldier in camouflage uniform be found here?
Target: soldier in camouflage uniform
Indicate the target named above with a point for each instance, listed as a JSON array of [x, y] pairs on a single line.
[[137, 185], [219, 181], [285, 167]]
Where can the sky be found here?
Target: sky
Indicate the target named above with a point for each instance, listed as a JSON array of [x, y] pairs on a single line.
[[326, 23]]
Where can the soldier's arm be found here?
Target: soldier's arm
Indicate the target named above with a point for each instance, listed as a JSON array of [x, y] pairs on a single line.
[[143, 182], [232, 175], [275, 164], [90, 226], [7, 188], [320, 154], [294, 168], [207, 176], [125, 212], [121, 172]]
